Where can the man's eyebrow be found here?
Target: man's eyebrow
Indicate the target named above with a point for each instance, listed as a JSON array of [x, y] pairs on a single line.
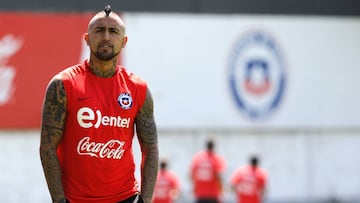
[[114, 28], [99, 27], [110, 28]]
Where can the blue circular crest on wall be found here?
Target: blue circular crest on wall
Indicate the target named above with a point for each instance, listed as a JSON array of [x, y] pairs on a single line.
[[257, 74]]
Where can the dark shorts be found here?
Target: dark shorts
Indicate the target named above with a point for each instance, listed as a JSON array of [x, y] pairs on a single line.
[[209, 200], [133, 199]]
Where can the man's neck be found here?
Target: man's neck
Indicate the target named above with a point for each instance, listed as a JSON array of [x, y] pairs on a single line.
[[103, 69]]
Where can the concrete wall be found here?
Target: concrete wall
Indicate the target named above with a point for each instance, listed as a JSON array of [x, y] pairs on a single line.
[[302, 166]]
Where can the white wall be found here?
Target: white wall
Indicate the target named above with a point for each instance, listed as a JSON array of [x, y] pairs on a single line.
[[310, 140], [185, 59]]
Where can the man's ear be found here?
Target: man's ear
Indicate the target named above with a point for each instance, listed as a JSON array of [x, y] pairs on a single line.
[[125, 40], [86, 38]]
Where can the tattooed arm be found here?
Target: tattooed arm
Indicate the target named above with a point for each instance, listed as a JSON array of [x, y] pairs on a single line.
[[52, 128], [147, 135]]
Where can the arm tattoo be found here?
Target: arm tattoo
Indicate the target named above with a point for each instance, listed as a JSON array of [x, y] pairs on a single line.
[[52, 128], [148, 138]]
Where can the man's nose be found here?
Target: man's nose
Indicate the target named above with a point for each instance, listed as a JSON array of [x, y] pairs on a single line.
[[106, 35]]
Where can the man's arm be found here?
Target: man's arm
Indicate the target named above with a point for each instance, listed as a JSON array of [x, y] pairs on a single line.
[[264, 187], [148, 139], [52, 128], [219, 181]]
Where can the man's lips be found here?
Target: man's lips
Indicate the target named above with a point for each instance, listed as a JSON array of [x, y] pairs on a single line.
[[106, 46]]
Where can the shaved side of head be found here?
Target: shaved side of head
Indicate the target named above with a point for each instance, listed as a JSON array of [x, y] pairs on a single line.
[[103, 15]]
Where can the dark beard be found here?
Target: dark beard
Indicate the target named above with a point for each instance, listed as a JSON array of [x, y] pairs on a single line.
[[106, 56]]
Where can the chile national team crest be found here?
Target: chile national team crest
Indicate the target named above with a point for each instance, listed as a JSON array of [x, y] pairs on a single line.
[[257, 74], [125, 100]]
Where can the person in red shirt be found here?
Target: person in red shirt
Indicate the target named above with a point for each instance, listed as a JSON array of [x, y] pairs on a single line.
[[206, 170], [167, 186], [90, 114], [249, 182]]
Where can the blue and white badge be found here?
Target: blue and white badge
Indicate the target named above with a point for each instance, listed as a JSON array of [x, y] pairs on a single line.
[[125, 100], [257, 75]]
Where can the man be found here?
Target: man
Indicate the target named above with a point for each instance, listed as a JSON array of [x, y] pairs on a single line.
[[206, 170], [167, 185], [89, 116], [249, 182]]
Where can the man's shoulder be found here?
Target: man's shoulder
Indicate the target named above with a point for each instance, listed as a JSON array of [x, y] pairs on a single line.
[[74, 69], [199, 154], [68, 72], [131, 75], [263, 172]]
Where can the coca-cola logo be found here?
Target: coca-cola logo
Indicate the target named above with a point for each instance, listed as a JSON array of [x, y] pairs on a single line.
[[9, 46], [112, 149]]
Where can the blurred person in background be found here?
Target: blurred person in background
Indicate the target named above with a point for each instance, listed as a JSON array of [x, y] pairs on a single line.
[[206, 174], [249, 182], [167, 186], [88, 124]]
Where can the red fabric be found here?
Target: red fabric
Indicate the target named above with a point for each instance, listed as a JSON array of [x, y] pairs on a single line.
[[166, 183], [96, 151], [205, 167], [249, 183]]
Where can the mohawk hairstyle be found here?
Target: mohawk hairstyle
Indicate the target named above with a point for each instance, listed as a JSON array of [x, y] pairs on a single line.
[[107, 10]]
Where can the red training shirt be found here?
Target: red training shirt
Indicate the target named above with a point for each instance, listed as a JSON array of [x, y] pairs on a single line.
[[249, 183], [166, 183], [95, 154], [205, 167]]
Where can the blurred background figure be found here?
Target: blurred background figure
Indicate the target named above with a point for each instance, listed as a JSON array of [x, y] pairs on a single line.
[[167, 186], [206, 170], [249, 182]]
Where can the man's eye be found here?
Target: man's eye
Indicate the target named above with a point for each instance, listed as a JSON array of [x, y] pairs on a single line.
[[114, 31], [99, 30]]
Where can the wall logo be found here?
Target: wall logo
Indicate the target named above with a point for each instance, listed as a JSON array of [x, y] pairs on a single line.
[[257, 74], [9, 45]]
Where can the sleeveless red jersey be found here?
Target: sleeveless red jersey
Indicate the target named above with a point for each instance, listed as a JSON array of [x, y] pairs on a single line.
[[166, 182], [204, 168], [249, 183], [95, 153]]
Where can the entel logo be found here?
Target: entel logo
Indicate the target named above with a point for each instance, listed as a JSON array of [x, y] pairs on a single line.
[[87, 119]]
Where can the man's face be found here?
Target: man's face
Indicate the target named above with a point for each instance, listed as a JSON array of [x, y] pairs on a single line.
[[106, 37]]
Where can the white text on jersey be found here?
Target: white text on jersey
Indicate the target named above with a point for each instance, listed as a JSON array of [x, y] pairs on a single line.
[[112, 149], [86, 118]]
